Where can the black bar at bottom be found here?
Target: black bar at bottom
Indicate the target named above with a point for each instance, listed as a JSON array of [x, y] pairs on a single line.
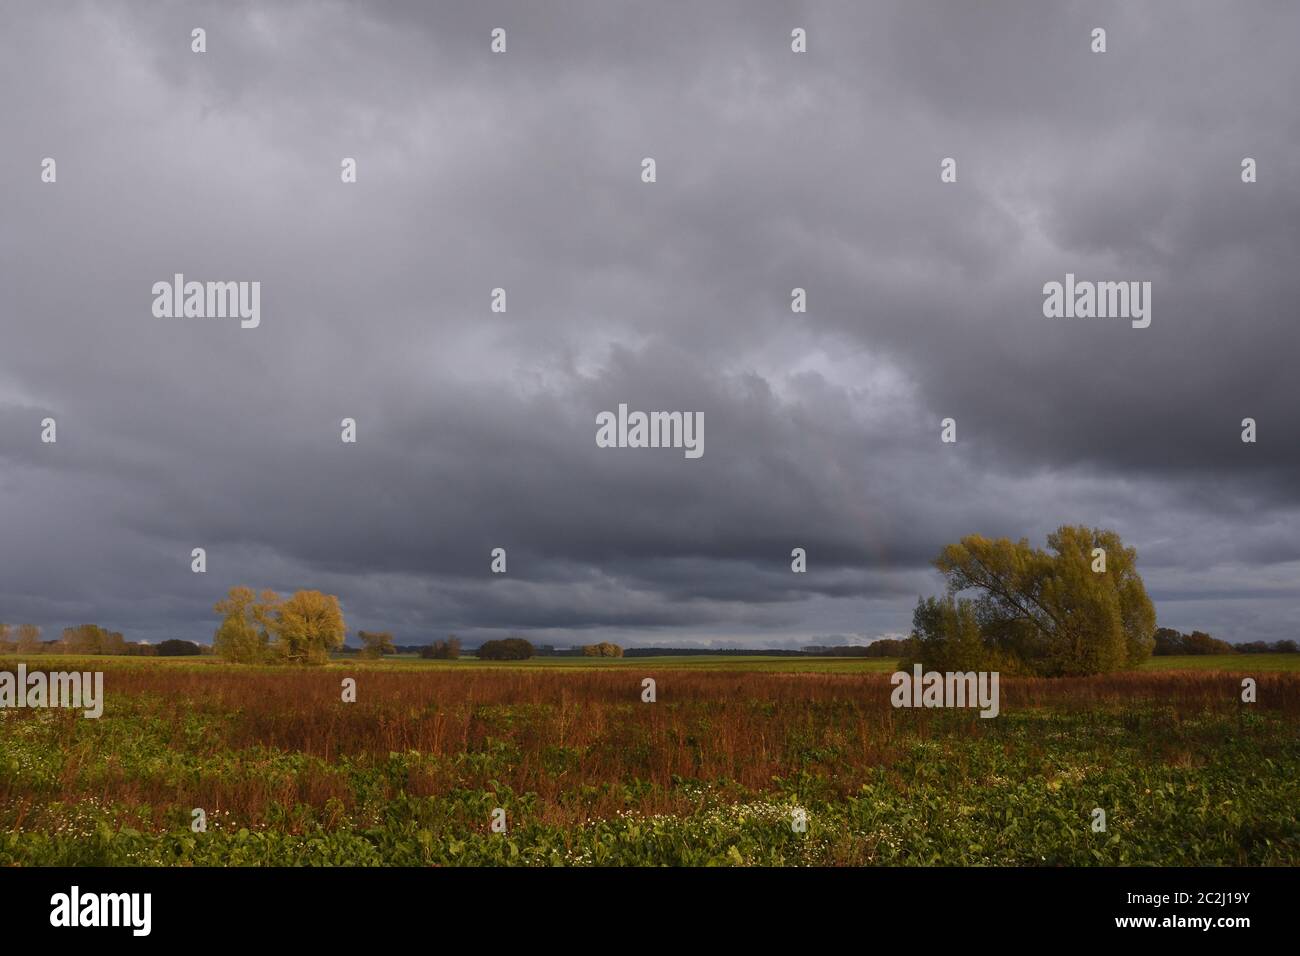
[[207, 906]]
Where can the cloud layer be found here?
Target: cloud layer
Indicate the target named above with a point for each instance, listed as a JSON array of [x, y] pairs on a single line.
[[775, 170]]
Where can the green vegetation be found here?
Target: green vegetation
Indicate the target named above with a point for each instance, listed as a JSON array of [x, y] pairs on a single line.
[[701, 662], [448, 650], [712, 773], [1227, 663], [175, 648], [1080, 608], [301, 629], [509, 649], [375, 644], [603, 649], [1233, 663]]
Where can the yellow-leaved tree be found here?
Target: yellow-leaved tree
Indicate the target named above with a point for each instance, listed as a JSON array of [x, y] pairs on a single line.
[[307, 627], [244, 633], [1080, 608], [301, 629]]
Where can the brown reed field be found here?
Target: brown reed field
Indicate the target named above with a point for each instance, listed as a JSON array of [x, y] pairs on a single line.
[[717, 769]]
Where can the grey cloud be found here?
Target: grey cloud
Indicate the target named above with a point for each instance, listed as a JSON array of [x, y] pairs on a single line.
[[775, 171]]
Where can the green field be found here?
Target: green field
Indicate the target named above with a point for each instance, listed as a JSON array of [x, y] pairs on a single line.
[[714, 772], [803, 665], [1230, 663], [1234, 663]]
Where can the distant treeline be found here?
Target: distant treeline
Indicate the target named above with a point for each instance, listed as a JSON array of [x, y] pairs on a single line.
[[886, 647], [703, 652], [93, 639], [517, 648], [1171, 643], [1168, 642], [90, 639]]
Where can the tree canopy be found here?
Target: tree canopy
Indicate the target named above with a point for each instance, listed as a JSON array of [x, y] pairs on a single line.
[[1078, 608], [375, 644], [508, 649], [300, 629]]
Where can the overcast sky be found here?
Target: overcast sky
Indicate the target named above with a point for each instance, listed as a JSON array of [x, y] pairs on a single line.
[[522, 170]]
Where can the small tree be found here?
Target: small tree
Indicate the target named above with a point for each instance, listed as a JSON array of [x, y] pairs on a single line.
[[603, 649], [946, 637], [177, 648], [79, 640], [29, 639], [243, 637], [1198, 642], [375, 644], [509, 649], [448, 650], [1169, 642], [886, 647], [92, 639], [112, 642]]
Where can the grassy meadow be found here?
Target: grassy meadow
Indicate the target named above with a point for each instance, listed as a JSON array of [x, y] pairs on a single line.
[[713, 772]]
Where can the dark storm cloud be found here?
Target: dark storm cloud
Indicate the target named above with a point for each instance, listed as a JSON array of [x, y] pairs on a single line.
[[477, 430]]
